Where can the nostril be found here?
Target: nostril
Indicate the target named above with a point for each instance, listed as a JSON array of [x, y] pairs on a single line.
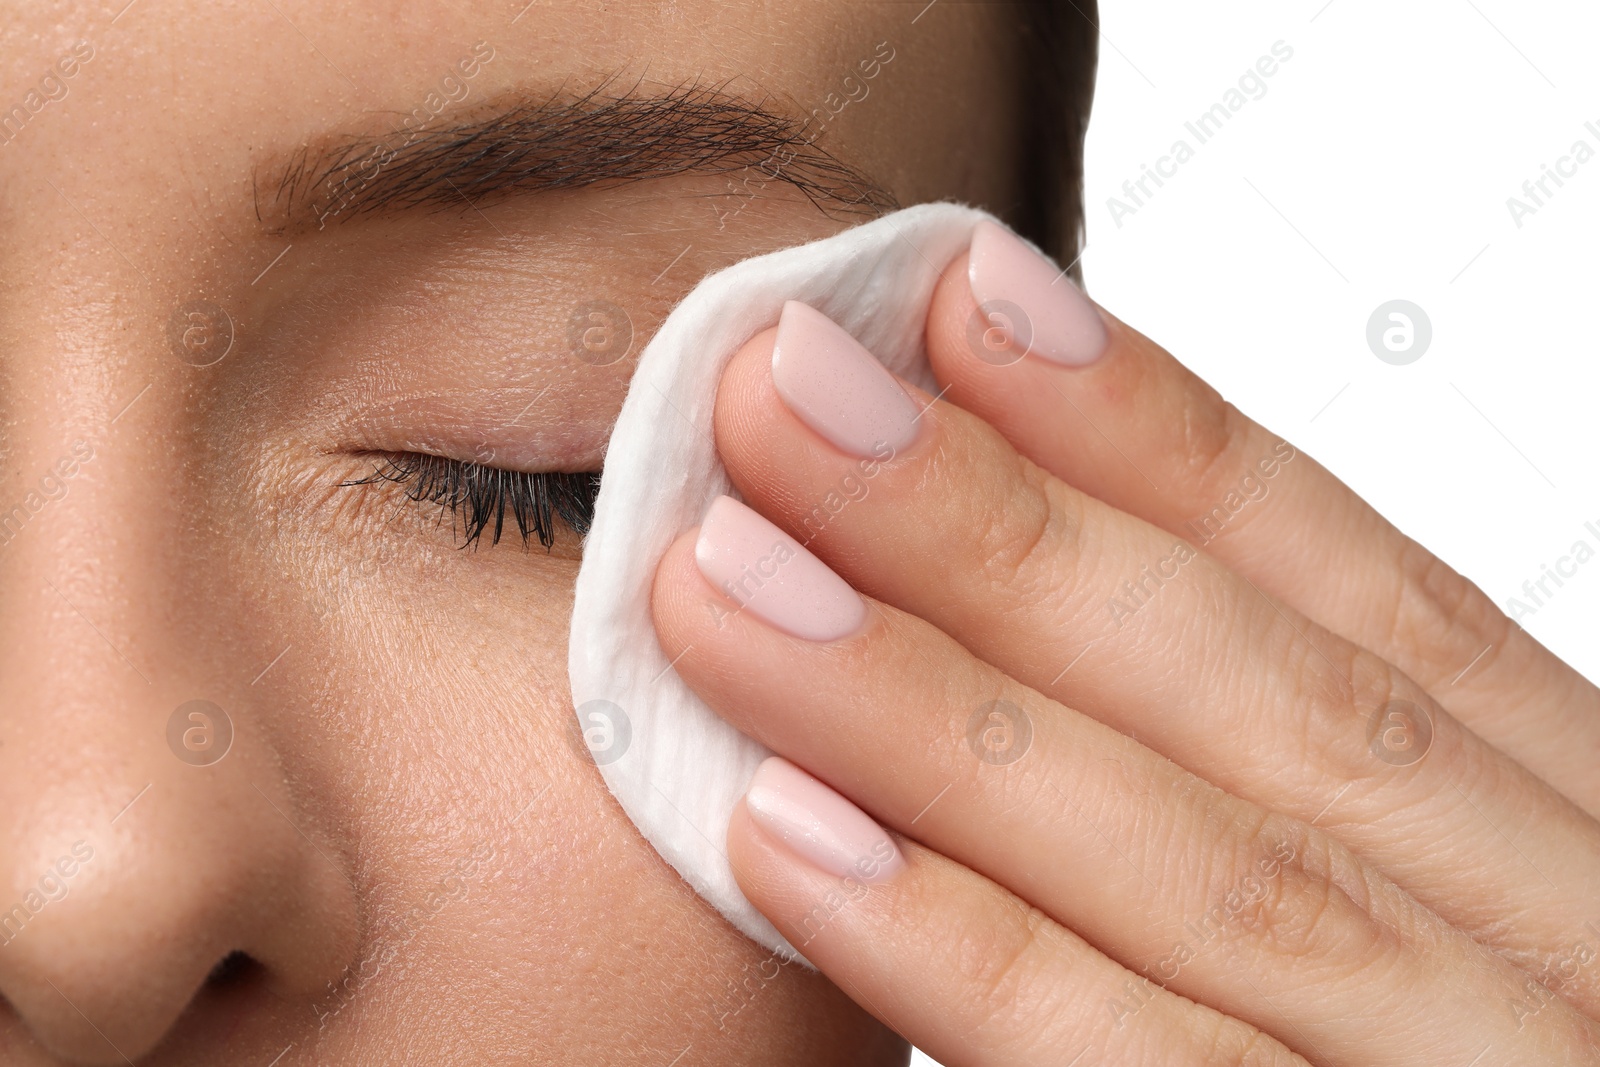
[[232, 970]]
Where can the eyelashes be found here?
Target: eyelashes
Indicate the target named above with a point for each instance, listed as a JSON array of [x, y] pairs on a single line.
[[480, 498]]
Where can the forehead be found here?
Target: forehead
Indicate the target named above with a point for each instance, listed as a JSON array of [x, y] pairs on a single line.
[[218, 85], [168, 123]]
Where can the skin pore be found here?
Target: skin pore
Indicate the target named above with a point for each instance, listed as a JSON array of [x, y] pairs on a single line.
[[402, 856]]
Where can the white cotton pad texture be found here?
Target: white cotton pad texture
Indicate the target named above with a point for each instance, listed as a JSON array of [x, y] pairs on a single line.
[[676, 768]]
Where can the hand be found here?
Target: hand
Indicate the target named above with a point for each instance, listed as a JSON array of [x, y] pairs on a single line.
[[1184, 754]]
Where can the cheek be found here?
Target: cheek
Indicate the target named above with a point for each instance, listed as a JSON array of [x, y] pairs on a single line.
[[454, 754]]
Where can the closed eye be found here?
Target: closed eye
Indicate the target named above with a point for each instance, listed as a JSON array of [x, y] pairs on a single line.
[[480, 498]]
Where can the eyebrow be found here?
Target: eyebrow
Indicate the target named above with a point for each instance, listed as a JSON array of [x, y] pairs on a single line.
[[517, 145]]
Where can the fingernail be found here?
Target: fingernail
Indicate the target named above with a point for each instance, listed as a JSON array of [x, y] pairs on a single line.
[[1061, 324], [819, 825], [761, 568], [837, 387]]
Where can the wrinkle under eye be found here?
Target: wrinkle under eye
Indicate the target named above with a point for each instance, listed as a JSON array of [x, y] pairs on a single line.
[[479, 496]]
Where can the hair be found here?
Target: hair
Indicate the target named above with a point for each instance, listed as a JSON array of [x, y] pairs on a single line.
[[1060, 50]]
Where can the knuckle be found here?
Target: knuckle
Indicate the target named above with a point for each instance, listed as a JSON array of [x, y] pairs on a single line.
[[1315, 911], [1209, 434], [1324, 669], [1210, 454], [1026, 541], [1000, 964], [1340, 687], [1325, 676], [1297, 918], [1440, 619], [1237, 1044], [1373, 680]]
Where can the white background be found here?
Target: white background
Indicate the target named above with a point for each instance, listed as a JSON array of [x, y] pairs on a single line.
[[1376, 167]]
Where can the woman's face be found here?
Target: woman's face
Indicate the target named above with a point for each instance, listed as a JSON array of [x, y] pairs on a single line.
[[255, 251]]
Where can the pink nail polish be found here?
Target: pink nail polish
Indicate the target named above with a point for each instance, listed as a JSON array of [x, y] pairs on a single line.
[[819, 825], [837, 388], [1065, 326], [761, 568]]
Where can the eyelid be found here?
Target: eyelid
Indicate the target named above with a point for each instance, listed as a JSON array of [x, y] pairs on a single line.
[[538, 429]]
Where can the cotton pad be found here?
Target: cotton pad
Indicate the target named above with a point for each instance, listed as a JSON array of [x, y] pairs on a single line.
[[674, 766]]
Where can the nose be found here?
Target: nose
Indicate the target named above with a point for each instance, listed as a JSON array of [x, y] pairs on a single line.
[[148, 827]]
